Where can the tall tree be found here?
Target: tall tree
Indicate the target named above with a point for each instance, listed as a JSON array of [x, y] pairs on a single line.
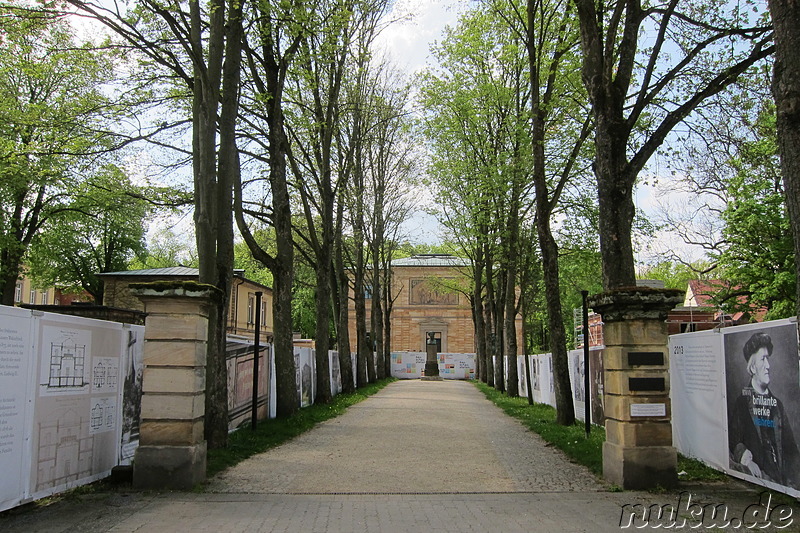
[[344, 28], [199, 48], [640, 94], [51, 104], [321, 65], [786, 90], [550, 36], [102, 231], [392, 170], [271, 51], [704, 160], [758, 258], [478, 124]]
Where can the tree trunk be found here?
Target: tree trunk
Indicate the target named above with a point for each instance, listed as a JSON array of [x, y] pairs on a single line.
[[488, 347], [377, 320], [477, 315], [362, 346], [282, 275], [510, 303], [282, 267], [387, 314], [528, 384], [565, 412], [210, 234], [343, 331], [497, 339], [480, 336], [786, 91], [546, 201], [615, 182], [12, 252], [323, 328], [10, 275], [510, 336], [377, 287], [343, 302], [285, 372]]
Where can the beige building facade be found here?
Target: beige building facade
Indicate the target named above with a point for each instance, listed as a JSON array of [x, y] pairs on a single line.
[[430, 292], [242, 306], [25, 292]]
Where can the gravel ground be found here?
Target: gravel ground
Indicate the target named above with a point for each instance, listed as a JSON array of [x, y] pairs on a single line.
[[417, 456], [414, 437]]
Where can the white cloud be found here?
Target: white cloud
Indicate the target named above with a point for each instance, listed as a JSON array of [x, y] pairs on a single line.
[[418, 23]]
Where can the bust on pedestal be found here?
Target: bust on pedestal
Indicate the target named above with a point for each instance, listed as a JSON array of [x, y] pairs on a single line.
[[432, 359]]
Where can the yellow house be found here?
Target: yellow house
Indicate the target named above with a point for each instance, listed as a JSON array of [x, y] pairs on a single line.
[[242, 306], [27, 293], [429, 297]]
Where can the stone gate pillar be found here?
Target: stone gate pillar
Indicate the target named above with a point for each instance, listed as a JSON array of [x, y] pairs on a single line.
[[638, 451], [172, 449]]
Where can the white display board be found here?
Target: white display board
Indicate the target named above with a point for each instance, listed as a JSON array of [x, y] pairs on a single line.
[[336, 372], [16, 399], [697, 394], [305, 369], [546, 393], [65, 383], [736, 401], [408, 365], [543, 384], [457, 365], [411, 365], [577, 373]]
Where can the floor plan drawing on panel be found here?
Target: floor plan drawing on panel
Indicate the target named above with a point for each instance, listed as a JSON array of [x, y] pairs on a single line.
[[66, 362]]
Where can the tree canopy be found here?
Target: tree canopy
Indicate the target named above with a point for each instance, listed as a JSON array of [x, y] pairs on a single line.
[[53, 108]]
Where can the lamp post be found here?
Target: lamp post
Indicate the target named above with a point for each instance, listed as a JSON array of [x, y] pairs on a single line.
[[256, 348]]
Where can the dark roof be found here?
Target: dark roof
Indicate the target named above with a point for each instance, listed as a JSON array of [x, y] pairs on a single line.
[[162, 272], [431, 260], [177, 271]]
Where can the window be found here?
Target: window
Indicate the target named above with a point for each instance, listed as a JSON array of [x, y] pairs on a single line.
[[32, 296], [251, 309], [18, 292], [45, 297], [263, 313], [368, 291]]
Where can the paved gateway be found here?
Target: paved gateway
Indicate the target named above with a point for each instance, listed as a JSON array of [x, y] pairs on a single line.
[[417, 456]]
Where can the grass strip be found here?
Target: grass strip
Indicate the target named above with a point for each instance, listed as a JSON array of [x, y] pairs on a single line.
[[244, 443], [572, 440]]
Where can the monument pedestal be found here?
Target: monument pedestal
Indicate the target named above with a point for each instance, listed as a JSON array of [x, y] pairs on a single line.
[[172, 449], [638, 452], [431, 362]]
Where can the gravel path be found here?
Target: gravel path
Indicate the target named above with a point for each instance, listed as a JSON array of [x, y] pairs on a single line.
[[418, 456], [412, 437]]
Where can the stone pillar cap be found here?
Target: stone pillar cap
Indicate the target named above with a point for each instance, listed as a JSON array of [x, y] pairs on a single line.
[[178, 289], [635, 303]]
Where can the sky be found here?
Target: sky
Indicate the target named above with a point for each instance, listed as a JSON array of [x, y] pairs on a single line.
[[406, 43], [419, 24]]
